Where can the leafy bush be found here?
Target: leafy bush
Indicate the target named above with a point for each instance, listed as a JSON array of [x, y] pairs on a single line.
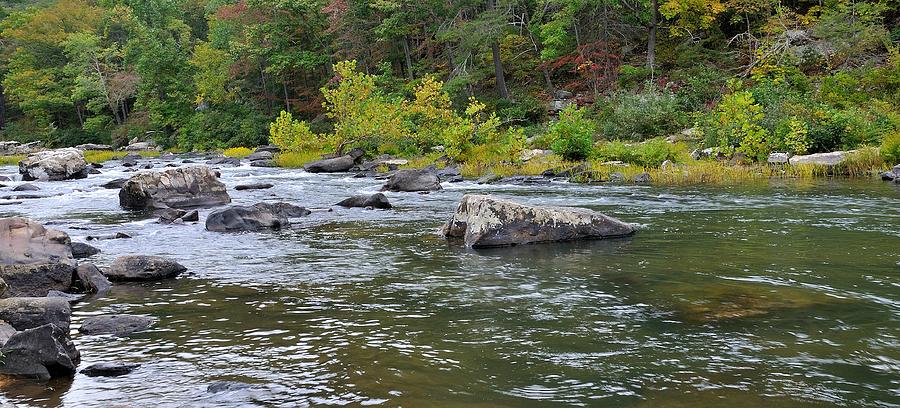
[[735, 124], [291, 135], [222, 127], [631, 77], [651, 113], [362, 114], [890, 148], [698, 87], [573, 134]]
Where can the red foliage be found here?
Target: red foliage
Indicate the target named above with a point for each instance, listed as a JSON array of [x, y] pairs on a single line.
[[594, 66]]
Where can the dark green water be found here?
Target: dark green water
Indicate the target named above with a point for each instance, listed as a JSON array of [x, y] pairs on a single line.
[[780, 295]]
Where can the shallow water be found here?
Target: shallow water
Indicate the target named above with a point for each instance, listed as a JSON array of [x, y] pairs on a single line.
[[786, 294]]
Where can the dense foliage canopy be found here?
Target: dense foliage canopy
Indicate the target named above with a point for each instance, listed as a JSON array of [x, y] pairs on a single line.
[[410, 77]]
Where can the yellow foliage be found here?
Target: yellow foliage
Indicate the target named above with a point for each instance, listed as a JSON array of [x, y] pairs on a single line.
[[237, 152]]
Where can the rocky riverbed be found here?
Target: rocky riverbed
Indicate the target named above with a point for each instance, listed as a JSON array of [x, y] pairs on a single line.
[[334, 304]]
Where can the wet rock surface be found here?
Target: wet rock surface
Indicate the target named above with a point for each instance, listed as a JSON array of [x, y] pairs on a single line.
[[112, 369], [484, 221], [143, 268], [335, 165], [24, 313], [119, 325], [377, 200], [412, 180], [257, 217], [54, 165], [183, 187], [42, 353]]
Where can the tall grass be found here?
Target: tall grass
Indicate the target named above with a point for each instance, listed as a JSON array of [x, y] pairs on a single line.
[[295, 160], [11, 160], [237, 152]]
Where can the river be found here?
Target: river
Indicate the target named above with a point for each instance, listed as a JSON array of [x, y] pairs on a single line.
[[782, 294]]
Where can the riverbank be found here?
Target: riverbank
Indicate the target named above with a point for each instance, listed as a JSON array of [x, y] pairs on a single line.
[[865, 163]]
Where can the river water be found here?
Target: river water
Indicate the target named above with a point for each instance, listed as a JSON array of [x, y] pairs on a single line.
[[784, 294]]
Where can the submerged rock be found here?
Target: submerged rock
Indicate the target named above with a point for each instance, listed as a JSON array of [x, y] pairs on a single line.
[[43, 352], [376, 200], [54, 165], [26, 187], [183, 187], [29, 312], [120, 325], [411, 180], [336, 165], [143, 268], [226, 386], [257, 217], [254, 186], [81, 250], [113, 369], [485, 221]]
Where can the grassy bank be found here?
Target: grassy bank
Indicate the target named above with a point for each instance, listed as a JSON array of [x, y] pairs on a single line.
[[90, 156], [865, 163]]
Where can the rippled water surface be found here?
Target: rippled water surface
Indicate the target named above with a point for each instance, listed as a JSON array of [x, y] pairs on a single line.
[[786, 294]]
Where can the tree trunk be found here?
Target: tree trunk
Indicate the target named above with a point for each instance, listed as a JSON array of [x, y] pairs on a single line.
[[287, 101], [498, 65], [2, 108], [409, 72], [651, 36]]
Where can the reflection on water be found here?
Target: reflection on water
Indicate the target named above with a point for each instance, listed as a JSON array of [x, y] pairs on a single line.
[[780, 295]]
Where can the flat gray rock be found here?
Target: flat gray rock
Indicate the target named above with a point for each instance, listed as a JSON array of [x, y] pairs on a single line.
[[119, 325]]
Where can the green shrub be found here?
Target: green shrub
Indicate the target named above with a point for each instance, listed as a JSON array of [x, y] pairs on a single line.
[[222, 127], [698, 87], [735, 125], [631, 77], [651, 153], [651, 113], [293, 136], [890, 148], [573, 134]]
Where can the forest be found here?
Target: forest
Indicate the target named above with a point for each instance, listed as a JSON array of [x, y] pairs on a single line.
[[473, 80]]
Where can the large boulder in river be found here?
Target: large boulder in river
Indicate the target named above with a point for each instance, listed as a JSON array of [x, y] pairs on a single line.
[[25, 242], [376, 200], [54, 165], [42, 353], [257, 217], [29, 312], [413, 180], [143, 268], [183, 187], [336, 165], [484, 221]]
